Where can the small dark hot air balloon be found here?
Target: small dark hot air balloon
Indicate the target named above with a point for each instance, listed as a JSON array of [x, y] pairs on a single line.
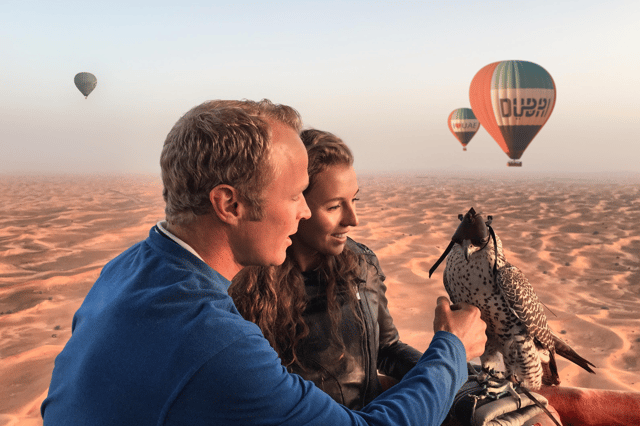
[[463, 124], [512, 100], [85, 82]]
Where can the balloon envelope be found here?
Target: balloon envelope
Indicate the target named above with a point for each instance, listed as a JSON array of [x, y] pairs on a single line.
[[85, 82], [512, 100], [463, 124]]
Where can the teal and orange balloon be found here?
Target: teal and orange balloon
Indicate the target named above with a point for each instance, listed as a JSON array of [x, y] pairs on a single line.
[[463, 124], [513, 100], [85, 82]]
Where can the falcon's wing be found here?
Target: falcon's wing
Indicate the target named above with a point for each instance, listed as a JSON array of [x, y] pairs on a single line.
[[524, 303]]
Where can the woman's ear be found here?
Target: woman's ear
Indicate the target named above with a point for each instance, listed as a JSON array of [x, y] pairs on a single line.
[[226, 203]]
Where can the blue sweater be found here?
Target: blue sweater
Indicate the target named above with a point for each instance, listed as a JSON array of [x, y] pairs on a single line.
[[158, 341]]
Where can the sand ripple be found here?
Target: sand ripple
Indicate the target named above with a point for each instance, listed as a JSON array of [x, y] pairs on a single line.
[[56, 234], [577, 239]]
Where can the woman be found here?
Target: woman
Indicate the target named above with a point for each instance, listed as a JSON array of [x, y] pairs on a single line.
[[324, 310]]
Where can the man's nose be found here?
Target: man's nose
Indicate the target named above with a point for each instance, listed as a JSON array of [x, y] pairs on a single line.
[[305, 212]]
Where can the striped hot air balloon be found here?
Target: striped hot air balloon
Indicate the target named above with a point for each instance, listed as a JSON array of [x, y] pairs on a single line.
[[463, 124], [85, 82], [512, 100]]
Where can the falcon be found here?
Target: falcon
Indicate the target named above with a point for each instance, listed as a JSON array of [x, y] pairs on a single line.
[[478, 273]]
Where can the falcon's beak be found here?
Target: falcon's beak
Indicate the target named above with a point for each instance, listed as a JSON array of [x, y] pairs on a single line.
[[466, 245]]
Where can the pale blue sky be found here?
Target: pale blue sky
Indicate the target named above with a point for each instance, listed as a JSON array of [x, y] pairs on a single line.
[[382, 75]]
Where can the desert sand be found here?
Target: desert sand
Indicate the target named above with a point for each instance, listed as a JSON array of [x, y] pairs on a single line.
[[576, 238]]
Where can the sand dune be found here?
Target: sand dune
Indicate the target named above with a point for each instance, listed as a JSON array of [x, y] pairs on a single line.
[[576, 238], [56, 234]]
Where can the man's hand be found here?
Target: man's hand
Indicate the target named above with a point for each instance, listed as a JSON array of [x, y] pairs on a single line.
[[464, 321]]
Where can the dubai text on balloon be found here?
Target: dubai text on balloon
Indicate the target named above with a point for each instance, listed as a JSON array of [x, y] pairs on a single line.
[[513, 100]]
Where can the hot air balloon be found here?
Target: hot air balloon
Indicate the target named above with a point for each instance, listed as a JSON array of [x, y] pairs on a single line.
[[85, 82], [463, 124], [512, 100]]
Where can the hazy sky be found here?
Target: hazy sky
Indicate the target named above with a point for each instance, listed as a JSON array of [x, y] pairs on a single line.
[[382, 75]]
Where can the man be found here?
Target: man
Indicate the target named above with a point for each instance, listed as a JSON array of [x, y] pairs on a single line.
[[158, 340]]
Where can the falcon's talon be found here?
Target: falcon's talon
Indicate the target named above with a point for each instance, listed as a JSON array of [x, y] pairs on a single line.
[[493, 386], [496, 396], [514, 393]]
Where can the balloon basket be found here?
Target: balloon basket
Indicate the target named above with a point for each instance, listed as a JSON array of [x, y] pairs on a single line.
[[514, 163]]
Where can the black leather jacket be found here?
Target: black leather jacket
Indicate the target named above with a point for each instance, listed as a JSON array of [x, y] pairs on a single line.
[[371, 344]]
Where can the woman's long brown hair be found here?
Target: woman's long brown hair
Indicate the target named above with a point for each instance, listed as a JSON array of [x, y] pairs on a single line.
[[274, 297]]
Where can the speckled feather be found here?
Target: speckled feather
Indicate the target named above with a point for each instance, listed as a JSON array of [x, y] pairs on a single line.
[[516, 324]]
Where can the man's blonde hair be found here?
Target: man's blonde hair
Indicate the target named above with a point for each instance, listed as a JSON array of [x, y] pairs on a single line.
[[220, 142]]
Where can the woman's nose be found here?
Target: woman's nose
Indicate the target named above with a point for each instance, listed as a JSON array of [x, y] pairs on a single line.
[[351, 217]]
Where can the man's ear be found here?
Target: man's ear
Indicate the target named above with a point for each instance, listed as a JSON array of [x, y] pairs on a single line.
[[226, 203]]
